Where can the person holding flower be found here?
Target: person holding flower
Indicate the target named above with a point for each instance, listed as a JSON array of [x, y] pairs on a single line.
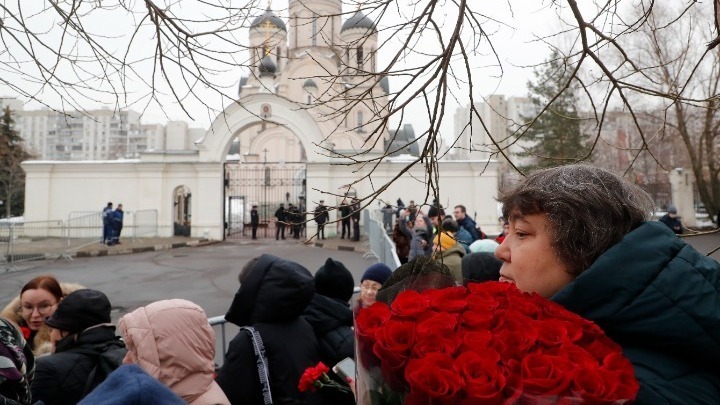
[[582, 236]]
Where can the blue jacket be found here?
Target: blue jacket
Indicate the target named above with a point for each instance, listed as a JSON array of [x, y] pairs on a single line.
[[659, 299], [130, 385]]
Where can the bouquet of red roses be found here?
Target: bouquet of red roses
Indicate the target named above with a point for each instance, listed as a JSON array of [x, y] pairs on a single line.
[[485, 343]]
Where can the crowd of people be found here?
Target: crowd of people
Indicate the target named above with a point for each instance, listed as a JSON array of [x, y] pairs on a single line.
[[577, 235]]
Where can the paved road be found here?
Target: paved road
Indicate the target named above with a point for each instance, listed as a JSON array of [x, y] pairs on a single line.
[[205, 275]]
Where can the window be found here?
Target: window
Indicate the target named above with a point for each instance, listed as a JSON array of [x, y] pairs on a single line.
[[279, 52], [309, 99], [360, 121], [359, 56]]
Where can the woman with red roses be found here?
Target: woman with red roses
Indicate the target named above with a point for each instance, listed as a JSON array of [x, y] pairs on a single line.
[[581, 236]]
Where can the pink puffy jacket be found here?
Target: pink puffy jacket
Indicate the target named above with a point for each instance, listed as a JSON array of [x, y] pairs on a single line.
[[172, 341]]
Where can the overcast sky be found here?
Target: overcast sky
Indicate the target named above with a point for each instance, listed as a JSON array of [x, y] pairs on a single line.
[[511, 36]]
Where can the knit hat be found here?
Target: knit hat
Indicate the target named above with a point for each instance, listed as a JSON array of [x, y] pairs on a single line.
[[483, 245], [378, 272], [672, 210], [445, 240], [334, 280], [481, 267], [80, 310]]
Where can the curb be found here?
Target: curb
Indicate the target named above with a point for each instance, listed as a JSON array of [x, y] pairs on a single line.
[[155, 248], [344, 248]]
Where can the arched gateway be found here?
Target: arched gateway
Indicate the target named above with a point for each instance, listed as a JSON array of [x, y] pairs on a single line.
[[253, 180]]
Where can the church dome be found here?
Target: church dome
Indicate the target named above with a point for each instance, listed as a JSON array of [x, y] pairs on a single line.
[[359, 20], [267, 66], [260, 21]]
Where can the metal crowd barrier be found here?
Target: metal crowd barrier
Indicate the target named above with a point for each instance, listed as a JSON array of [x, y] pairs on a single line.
[[19, 241], [381, 246], [22, 241]]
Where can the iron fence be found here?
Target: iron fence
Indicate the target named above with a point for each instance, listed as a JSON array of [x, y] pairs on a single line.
[[19, 241]]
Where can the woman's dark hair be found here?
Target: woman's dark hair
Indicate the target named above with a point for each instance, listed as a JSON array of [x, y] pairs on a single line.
[[450, 225], [47, 283], [589, 209]]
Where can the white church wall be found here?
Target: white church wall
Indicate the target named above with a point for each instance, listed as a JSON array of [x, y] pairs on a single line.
[[55, 189]]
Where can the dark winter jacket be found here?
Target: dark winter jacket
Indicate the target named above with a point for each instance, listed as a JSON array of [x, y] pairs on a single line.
[[64, 377], [271, 299], [470, 226], [659, 299], [332, 320], [118, 216], [131, 385], [673, 223]]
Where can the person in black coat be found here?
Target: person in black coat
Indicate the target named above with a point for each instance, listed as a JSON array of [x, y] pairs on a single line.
[[273, 294], [81, 332], [672, 221], [281, 216], [330, 315], [254, 221]]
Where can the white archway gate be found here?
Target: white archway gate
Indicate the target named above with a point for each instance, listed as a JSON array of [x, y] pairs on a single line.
[[247, 112]]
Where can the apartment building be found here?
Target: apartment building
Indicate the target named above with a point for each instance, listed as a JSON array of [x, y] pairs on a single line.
[[102, 134]]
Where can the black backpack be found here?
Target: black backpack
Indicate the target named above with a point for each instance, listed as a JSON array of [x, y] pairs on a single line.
[[109, 357]]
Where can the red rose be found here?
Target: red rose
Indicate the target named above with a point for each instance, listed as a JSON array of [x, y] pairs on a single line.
[[527, 306], [493, 288], [481, 342], [370, 319], [438, 323], [601, 347], [483, 376], [434, 343], [518, 334], [451, 299], [599, 386], [478, 320], [433, 376], [482, 301], [551, 332], [576, 355], [394, 341], [409, 304], [545, 375]]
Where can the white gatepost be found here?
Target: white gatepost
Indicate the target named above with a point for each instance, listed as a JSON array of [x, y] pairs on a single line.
[[682, 186]]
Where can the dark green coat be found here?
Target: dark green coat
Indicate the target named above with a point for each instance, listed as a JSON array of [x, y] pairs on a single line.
[[659, 299]]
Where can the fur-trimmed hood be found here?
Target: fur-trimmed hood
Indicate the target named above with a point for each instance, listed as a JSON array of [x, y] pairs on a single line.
[[41, 342]]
